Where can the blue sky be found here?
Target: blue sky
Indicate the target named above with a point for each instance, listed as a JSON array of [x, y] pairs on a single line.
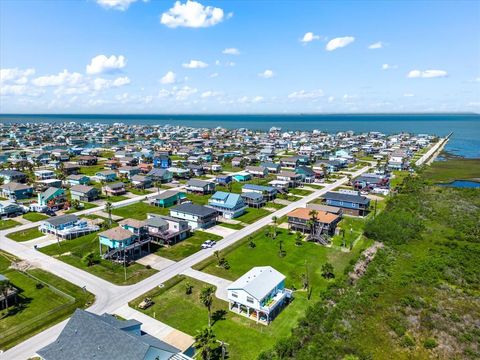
[[136, 56]]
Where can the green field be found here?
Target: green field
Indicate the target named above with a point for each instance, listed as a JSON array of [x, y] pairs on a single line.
[[25, 235], [252, 214], [7, 224], [420, 293], [231, 226], [186, 247], [86, 206], [296, 261], [72, 252], [37, 308], [34, 216], [453, 169], [139, 211], [198, 199], [115, 198], [301, 192], [91, 170]]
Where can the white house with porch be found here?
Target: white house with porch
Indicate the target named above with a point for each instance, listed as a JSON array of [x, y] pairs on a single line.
[[260, 294]]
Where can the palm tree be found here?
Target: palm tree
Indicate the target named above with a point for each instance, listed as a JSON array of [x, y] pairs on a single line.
[[313, 220], [205, 343], [108, 208], [274, 220], [298, 238], [5, 287], [158, 184], [206, 297], [324, 171]]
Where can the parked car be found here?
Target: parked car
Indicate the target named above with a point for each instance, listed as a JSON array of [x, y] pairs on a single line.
[[50, 212], [145, 304], [208, 244]]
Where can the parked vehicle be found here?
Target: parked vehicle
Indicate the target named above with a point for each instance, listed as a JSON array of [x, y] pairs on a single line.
[[208, 244], [145, 304]]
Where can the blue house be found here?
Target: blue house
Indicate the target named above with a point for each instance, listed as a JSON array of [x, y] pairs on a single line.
[[168, 198], [78, 180], [241, 177], [162, 161], [223, 179], [16, 191], [227, 204], [352, 204], [106, 175], [268, 192], [116, 238], [52, 197]]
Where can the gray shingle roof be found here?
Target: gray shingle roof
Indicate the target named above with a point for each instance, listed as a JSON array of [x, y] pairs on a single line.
[[357, 199], [62, 219], [194, 209], [90, 336]]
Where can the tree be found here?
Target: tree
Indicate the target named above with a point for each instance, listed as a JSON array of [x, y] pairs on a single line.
[[4, 289], [251, 243], [281, 250], [108, 208], [206, 298], [274, 220], [327, 271], [205, 343], [90, 259], [188, 288], [313, 220], [298, 238], [158, 184]]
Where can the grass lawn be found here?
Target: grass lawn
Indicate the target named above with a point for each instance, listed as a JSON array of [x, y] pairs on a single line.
[[72, 252], [252, 214], [91, 170], [301, 192], [139, 211], [37, 309], [186, 247], [25, 235], [115, 198], [198, 199], [138, 191], [231, 226], [274, 205], [86, 206], [242, 258], [7, 224], [34, 216], [244, 337], [398, 178]]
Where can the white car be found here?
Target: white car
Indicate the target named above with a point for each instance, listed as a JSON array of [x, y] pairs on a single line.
[[208, 244]]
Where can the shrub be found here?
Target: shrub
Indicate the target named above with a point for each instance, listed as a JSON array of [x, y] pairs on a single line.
[[407, 341], [430, 343], [39, 286]]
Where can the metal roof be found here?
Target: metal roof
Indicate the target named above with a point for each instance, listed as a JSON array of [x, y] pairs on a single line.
[[62, 219], [357, 199], [258, 282], [194, 209]]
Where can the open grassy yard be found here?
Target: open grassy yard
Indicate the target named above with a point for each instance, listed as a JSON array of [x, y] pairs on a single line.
[[252, 214], [34, 216], [91, 170], [37, 308], [244, 337], [86, 205], [198, 199], [114, 198], [8, 223], [297, 259], [397, 178], [139, 211], [72, 252], [231, 226], [301, 192], [186, 247], [25, 235]]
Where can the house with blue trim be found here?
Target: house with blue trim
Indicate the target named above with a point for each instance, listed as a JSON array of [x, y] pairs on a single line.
[[16, 191], [161, 175], [78, 180], [268, 192], [162, 161], [308, 175], [241, 177], [106, 175], [351, 203], [52, 197], [271, 167], [168, 198], [12, 175], [229, 205], [223, 179]]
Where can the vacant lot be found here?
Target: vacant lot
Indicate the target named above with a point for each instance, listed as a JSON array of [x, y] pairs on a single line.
[[34, 216], [25, 235], [139, 211], [7, 224], [186, 247], [38, 306]]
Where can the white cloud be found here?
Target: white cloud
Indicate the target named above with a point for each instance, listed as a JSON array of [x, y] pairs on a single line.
[[169, 78], [303, 94], [257, 99], [101, 64], [209, 94], [408, 95], [389, 67], [121, 5], [376, 45], [195, 64], [192, 14], [267, 74], [214, 75], [339, 42], [15, 75], [177, 93], [231, 51], [426, 74], [63, 78], [331, 99], [309, 37], [121, 81]]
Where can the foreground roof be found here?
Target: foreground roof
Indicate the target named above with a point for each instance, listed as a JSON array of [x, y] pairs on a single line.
[[91, 336], [258, 282]]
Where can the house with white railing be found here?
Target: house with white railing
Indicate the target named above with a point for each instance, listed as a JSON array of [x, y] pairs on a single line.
[[260, 294], [67, 226]]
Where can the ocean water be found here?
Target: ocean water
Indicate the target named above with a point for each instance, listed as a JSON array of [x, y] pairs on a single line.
[[465, 127]]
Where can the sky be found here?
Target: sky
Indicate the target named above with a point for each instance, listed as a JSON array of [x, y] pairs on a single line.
[[138, 56]]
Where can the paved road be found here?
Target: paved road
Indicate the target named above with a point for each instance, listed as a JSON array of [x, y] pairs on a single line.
[[433, 152], [110, 297]]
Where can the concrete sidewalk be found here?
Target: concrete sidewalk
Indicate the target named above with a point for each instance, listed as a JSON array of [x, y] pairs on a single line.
[[220, 283]]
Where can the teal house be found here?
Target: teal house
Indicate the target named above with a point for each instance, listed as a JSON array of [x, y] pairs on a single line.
[[78, 180], [116, 238], [241, 177], [52, 197], [168, 198]]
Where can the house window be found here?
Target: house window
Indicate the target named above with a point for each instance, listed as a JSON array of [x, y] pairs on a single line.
[[250, 299], [234, 294]]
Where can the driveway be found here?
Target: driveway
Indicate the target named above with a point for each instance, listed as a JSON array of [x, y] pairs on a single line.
[[155, 261], [221, 230], [219, 282]]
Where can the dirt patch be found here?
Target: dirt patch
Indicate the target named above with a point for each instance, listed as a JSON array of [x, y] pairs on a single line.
[[361, 266]]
